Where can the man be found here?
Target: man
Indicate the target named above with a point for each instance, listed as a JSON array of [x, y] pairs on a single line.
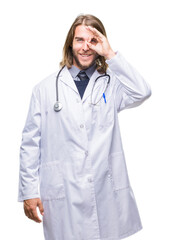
[[72, 163]]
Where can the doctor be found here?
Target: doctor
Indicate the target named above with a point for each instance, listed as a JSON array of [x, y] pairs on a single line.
[[72, 164]]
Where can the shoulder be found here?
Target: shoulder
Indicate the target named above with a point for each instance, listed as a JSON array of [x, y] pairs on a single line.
[[44, 85], [51, 79], [46, 81]]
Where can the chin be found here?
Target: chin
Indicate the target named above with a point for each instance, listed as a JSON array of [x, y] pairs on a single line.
[[85, 65], [82, 64]]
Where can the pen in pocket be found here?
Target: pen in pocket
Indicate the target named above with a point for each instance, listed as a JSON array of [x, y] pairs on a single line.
[[104, 97]]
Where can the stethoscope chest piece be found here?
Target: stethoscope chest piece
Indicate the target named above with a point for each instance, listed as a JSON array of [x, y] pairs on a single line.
[[58, 106]]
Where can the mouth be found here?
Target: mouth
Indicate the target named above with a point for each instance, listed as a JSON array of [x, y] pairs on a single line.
[[85, 55]]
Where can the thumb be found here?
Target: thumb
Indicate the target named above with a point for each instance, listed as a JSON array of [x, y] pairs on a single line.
[[91, 46], [40, 206]]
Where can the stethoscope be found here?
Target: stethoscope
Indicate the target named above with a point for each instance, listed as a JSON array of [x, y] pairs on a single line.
[[58, 105]]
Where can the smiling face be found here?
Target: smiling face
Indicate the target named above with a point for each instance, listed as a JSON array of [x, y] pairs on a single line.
[[83, 56]]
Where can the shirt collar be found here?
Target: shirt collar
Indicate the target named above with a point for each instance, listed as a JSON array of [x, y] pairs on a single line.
[[89, 71]]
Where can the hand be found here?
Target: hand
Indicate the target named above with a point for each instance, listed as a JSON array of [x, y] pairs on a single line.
[[101, 44], [30, 209]]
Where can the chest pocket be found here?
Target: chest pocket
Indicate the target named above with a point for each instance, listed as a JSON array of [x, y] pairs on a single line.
[[103, 113]]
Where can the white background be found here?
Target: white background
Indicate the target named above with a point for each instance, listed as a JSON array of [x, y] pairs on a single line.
[[32, 36]]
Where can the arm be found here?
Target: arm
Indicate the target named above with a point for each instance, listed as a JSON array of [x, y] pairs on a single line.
[[131, 90], [29, 161]]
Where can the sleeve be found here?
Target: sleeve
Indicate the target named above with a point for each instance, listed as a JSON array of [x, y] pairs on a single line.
[[131, 88], [30, 153]]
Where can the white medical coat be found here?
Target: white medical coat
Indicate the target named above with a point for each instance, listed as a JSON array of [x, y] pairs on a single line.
[[74, 160]]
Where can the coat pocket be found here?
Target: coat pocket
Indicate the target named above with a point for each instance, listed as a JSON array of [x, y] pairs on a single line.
[[51, 181], [118, 171]]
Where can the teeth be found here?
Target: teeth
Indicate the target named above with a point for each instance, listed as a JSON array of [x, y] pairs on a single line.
[[85, 55]]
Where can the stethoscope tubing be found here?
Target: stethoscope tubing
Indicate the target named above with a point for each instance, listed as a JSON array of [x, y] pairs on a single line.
[[58, 105], [57, 79]]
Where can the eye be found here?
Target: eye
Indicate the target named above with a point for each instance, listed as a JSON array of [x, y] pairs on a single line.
[[79, 39], [93, 40]]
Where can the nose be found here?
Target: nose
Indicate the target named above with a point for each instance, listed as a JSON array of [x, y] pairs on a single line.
[[85, 46]]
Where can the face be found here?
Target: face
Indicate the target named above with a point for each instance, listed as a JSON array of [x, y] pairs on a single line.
[[83, 56]]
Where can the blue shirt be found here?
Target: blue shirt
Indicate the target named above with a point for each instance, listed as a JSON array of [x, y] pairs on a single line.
[[81, 85]]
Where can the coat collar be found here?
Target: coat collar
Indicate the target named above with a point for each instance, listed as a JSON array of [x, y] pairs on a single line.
[[89, 71]]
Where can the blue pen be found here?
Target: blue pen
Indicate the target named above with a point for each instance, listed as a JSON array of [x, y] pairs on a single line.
[[104, 97]]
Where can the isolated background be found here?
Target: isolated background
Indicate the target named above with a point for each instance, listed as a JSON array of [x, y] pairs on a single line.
[[32, 36]]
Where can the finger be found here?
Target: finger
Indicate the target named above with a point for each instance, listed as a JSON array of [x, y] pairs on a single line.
[[91, 46], [41, 209], [35, 217], [26, 212], [29, 214], [95, 31]]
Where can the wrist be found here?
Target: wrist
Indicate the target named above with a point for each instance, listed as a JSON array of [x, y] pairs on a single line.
[[110, 55]]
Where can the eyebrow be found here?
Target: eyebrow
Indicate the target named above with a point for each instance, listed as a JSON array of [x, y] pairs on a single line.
[[79, 38]]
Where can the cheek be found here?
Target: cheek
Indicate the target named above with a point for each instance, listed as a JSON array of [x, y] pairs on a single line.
[[76, 47]]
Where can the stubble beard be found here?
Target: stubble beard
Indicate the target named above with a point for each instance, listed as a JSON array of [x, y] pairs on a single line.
[[83, 67]]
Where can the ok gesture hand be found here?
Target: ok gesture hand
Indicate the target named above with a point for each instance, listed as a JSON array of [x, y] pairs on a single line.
[[101, 44]]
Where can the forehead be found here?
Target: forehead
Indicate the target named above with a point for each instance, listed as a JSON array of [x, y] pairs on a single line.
[[82, 32]]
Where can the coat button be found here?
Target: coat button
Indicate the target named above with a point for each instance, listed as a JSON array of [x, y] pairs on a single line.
[[90, 179]]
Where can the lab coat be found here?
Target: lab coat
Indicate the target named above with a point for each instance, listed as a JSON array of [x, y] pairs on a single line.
[[74, 160]]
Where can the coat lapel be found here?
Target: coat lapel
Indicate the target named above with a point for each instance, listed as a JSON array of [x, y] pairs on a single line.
[[67, 79]]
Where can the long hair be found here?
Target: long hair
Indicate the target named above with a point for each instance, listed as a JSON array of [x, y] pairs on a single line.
[[88, 20]]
